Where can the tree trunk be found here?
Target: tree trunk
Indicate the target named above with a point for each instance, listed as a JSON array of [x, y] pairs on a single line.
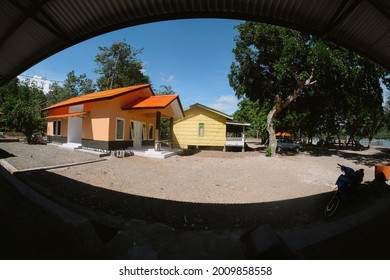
[[280, 105], [271, 130]]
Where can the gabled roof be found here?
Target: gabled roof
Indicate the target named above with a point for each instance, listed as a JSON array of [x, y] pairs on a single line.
[[209, 109], [101, 95]]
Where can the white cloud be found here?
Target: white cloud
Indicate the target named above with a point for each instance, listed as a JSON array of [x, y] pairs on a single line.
[[39, 81], [167, 79], [144, 70], [226, 104]]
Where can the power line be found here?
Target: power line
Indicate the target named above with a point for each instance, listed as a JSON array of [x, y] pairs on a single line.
[[40, 78], [49, 80]]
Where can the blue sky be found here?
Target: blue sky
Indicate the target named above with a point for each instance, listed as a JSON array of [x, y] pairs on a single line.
[[193, 56]]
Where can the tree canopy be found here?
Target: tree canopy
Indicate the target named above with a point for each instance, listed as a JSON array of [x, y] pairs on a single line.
[[22, 102], [118, 66], [73, 86]]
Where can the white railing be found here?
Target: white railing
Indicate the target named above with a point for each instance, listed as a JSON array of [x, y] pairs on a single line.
[[235, 141]]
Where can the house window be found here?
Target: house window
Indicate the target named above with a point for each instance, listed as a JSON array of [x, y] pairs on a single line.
[[120, 125], [201, 129], [151, 130], [57, 127]]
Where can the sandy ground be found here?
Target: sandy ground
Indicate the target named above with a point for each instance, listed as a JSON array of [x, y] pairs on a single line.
[[208, 189]]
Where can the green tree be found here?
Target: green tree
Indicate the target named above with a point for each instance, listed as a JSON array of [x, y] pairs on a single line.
[[251, 112], [118, 66], [73, 86], [8, 90], [77, 85], [55, 94], [22, 109], [165, 126], [272, 66], [276, 66]]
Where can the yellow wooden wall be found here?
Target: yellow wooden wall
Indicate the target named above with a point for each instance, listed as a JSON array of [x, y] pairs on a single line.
[[185, 131]]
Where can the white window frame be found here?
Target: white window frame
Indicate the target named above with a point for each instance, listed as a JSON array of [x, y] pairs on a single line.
[[57, 129], [123, 129], [132, 125], [151, 127], [201, 129]]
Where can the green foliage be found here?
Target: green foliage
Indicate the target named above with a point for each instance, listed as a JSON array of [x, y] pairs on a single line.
[[78, 85], [22, 104], [73, 86], [118, 66], [255, 114], [268, 152]]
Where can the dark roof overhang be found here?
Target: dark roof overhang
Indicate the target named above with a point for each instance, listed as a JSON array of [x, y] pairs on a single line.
[[32, 30]]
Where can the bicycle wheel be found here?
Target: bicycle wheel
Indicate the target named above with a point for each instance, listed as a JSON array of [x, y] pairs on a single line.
[[332, 205]]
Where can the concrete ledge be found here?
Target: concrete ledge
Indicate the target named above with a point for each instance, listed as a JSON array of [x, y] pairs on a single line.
[[56, 166], [9, 167], [7, 140]]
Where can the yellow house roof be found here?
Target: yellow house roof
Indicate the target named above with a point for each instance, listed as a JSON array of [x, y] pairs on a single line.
[[209, 109], [101, 95]]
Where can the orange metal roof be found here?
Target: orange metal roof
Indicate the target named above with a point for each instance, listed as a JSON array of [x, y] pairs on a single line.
[[107, 94], [151, 102], [66, 115], [284, 134]]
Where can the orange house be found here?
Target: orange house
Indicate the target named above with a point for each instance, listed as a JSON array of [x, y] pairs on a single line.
[[113, 119]]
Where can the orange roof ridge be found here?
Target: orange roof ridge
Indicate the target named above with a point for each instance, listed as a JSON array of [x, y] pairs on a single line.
[[106, 94]]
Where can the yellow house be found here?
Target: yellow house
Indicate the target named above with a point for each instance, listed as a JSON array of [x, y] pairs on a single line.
[[113, 119], [207, 127]]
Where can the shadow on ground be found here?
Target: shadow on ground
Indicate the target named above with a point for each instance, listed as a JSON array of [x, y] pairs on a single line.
[[4, 154], [286, 214], [358, 157]]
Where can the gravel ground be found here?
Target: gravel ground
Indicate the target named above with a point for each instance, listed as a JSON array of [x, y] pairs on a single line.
[[23, 156], [202, 190]]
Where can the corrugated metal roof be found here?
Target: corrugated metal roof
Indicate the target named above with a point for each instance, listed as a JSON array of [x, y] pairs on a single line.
[[151, 102], [209, 109], [101, 95], [32, 30]]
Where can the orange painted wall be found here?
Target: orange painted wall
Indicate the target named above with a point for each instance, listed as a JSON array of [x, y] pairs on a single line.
[[115, 112], [96, 124], [101, 122]]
